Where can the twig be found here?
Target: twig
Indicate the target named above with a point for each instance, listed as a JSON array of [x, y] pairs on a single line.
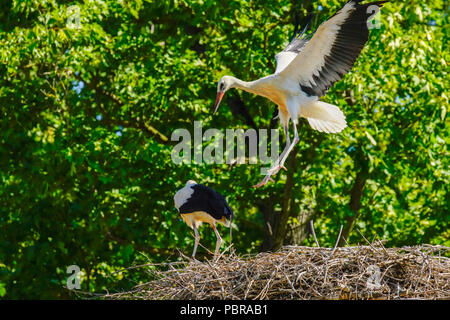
[[314, 233], [337, 241]]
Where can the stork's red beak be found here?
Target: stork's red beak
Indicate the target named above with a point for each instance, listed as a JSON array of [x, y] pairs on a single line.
[[218, 99]]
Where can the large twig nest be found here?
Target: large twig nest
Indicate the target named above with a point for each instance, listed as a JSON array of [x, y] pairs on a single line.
[[294, 272]]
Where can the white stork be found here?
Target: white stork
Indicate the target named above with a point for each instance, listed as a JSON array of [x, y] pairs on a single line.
[[198, 203], [306, 69]]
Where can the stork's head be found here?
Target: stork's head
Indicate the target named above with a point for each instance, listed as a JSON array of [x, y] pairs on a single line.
[[225, 83], [190, 182]]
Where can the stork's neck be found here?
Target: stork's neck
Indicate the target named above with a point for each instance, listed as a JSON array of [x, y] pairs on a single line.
[[255, 87]]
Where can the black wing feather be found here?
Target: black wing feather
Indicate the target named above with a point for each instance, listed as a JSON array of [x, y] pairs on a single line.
[[346, 48], [208, 200]]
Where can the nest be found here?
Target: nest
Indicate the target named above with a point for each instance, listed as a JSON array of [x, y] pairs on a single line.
[[296, 272]]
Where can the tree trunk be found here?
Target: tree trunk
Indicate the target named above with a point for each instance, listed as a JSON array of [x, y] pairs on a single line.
[[297, 233]]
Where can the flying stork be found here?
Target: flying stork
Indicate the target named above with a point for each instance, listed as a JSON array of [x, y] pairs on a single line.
[[198, 203], [306, 69]]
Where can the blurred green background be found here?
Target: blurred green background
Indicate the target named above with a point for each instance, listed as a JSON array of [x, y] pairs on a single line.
[[88, 107]]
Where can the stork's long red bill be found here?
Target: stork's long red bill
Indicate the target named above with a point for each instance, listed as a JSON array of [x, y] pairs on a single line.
[[218, 99]]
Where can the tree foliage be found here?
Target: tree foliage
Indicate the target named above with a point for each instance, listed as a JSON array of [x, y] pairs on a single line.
[[88, 107]]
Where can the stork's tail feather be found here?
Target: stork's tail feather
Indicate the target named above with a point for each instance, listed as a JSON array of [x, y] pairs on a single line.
[[324, 117]]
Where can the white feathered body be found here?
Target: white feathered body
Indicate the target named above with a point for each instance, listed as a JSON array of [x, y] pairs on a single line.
[[293, 102]]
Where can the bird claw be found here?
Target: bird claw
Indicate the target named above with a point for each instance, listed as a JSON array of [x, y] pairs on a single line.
[[279, 167], [275, 169], [263, 181], [272, 171]]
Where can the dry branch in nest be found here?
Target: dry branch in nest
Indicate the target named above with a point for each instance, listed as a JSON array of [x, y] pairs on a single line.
[[295, 272]]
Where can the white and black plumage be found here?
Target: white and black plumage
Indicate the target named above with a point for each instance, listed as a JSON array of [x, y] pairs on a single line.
[[198, 203], [306, 69]]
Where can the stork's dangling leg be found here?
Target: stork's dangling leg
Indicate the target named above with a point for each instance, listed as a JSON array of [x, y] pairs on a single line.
[[285, 154], [197, 239], [219, 239], [296, 140], [278, 164]]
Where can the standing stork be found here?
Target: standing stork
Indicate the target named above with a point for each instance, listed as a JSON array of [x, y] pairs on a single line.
[[306, 69], [198, 203]]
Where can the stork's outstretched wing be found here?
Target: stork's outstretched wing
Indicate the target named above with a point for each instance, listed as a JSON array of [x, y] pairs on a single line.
[[333, 49], [294, 47]]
